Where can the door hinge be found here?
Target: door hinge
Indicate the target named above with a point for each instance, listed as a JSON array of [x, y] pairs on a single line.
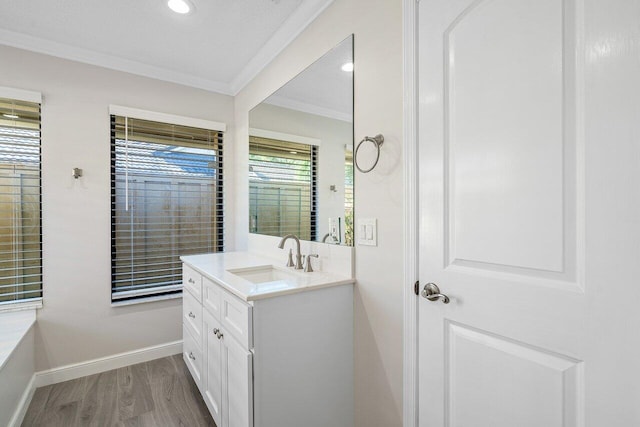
[[416, 287]]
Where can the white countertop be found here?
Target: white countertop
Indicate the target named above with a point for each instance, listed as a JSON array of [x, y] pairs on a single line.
[[215, 266]]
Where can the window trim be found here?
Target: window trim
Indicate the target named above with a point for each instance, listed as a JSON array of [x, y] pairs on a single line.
[[19, 305], [136, 113], [287, 137], [21, 95]]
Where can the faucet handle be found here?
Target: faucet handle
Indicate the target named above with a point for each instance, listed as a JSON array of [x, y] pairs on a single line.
[[307, 267], [290, 261]]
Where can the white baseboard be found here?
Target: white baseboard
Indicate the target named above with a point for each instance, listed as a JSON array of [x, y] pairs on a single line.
[[23, 404], [103, 364]]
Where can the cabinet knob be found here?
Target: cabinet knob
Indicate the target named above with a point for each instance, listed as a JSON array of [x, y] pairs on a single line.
[[191, 280], [191, 356], [219, 335], [215, 331], [193, 316]]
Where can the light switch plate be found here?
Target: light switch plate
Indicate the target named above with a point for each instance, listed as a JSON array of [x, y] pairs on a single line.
[[367, 232], [334, 229]]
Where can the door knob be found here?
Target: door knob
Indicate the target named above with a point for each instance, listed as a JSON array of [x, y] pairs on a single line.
[[432, 293]]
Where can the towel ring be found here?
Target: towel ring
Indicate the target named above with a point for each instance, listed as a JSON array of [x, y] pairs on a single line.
[[377, 140]]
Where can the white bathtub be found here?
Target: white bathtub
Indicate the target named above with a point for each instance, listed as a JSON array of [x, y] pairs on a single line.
[[17, 366]]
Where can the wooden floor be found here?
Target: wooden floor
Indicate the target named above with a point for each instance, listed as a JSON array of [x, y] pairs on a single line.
[[157, 393]]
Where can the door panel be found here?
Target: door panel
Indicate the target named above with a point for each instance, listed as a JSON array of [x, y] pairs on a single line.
[[494, 381], [503, 119]]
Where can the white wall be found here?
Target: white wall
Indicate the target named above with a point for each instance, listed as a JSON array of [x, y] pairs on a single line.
[[377, 25], [77, 322], [333, 135]]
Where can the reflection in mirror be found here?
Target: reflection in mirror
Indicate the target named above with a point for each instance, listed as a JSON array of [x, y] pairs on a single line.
[[301, 154]]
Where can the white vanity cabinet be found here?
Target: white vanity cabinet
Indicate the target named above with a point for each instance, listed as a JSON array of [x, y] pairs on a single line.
[[278, 361], [219, 364]]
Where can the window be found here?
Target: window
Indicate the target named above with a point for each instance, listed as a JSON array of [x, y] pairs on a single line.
[[282, 188], [348, 198], [20, 202], [166, 201]]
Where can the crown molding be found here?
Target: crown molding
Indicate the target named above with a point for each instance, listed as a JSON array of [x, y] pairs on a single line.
[[65, 51], [295, 24], [288, 31], [304, 107]]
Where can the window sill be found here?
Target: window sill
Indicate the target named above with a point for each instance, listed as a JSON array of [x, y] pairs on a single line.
[[34, 304], [145, 300]]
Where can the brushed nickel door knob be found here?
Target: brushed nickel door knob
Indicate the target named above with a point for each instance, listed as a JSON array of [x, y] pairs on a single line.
[[432, 293]]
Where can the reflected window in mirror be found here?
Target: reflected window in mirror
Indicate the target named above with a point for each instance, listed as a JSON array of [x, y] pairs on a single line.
[[314, 108], [348, 196], [282, 188]]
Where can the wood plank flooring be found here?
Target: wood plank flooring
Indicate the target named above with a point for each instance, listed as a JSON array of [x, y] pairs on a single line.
[[160, 393]]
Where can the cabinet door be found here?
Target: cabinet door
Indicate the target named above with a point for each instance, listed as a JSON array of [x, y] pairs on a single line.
[[192, 355], [238, 384], [213, 371]]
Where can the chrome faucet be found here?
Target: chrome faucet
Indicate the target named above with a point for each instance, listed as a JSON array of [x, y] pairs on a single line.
[[298, 254]]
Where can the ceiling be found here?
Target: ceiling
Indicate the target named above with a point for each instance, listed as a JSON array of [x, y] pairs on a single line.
[[323, 88], [220, 46]]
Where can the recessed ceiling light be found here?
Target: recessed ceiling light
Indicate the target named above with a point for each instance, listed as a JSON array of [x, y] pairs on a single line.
[[11, 116], [348, 67], [180, 6]]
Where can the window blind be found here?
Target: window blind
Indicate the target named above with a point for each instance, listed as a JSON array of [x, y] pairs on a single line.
[[20, 202], [166, 201], [348, 198], [282, 188]]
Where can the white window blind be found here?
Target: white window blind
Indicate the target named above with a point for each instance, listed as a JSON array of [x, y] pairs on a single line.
[[282, 188], [20, 202], [166, 201]]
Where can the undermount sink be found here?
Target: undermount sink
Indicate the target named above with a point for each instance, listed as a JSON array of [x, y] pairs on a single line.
[[264, 274]]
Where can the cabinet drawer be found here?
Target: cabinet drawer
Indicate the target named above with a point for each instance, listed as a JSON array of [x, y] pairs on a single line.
[[211, 293], [236, 318], [192, 281], [192, 316], [192, 356]]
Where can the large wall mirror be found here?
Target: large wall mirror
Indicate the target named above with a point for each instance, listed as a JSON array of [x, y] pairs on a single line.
[[301, 154]]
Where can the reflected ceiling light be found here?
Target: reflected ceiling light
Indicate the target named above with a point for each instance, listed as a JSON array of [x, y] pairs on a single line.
[[293, 152], [11, 116], [347, 66], [180, 6]]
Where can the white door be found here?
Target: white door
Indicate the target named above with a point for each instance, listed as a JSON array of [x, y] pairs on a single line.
[[529, 172]]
